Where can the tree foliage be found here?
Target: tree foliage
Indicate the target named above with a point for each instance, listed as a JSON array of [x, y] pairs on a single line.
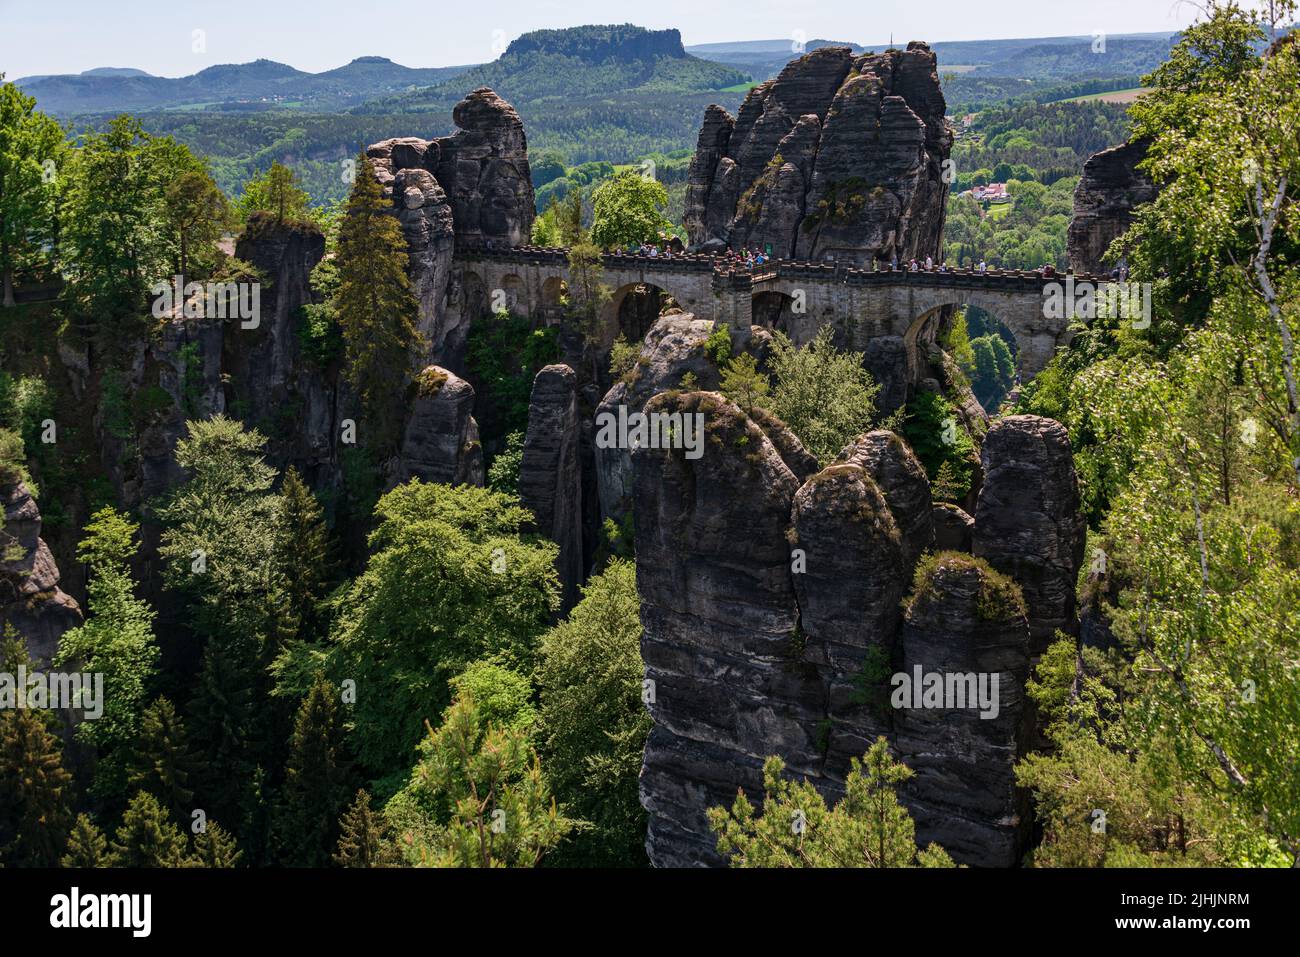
[[795, 828], [824, 394]]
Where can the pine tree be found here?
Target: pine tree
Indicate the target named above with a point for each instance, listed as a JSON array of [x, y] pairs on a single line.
[[146, 838], [117, 640], [364, 836], [375, 306], [743, 384], [795, 828], [588, 295], [478, 797], [317, 777], [87, 846], [34, 788], [163, 764], [947, 485], [222, 726], [305, 553], [214, 846], [570, 219]]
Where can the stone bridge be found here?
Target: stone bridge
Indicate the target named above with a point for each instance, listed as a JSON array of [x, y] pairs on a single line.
[[799, 298]]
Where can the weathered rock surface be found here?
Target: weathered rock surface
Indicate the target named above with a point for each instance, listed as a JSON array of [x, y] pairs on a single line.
[[719, 615], [173, 377], [550, 474], [766, 634], [292, 401], [801, 463], [953, 528], [1110, 188], [474, 185], [902, 479], [1027, 521], [840, 156], [849, 580], [30, 599], [483, 166], [673, 347], [966, 621], [441, 441]]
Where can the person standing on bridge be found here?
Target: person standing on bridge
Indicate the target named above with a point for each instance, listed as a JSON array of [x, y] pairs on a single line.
[[929, 264]]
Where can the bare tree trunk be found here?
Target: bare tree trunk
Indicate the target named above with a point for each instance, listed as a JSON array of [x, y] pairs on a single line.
[[1268, 221]]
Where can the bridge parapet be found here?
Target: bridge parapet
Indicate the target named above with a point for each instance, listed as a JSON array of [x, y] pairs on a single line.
[[785, 269]]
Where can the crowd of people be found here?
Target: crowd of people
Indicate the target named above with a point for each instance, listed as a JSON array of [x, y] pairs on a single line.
[[750, 258]]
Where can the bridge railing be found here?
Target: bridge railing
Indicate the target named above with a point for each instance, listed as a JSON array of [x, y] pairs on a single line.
[[774, 270]]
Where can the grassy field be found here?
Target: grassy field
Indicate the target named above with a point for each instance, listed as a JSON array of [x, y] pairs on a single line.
[[1114, 96]]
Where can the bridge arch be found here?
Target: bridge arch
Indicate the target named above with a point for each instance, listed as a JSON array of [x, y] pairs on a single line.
[[515, 295], [1021, 312], [473, 294], [774, 309], [554, 297], [632, 309]]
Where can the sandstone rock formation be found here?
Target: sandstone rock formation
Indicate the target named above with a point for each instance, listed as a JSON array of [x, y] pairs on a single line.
[[673, 348], [271, 379], [1027, 521], [483, 166], [425, 213], [441, 442], [30, 599], [840, 157], [175, 376], [719, 613], [966, 619], [550, 475], [848, 594], [474, 185], [902, 479], [953, 528], [772, 612], [1109, 190]]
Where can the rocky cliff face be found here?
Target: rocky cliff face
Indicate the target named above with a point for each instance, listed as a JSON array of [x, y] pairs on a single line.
[[474, 185], [772, 617], [550, 473], [965, 619], [840, 156], [30, 599], [1109, 189], [271, 381], [673, 348], [441, 442], [1027, 521]]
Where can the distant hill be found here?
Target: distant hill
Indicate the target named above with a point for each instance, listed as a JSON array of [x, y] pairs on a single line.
[[1078, 60], [1055, 58], [236, 86], [575, 63]]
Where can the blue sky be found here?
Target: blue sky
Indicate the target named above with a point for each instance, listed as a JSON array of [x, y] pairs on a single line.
[[68, 36]]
